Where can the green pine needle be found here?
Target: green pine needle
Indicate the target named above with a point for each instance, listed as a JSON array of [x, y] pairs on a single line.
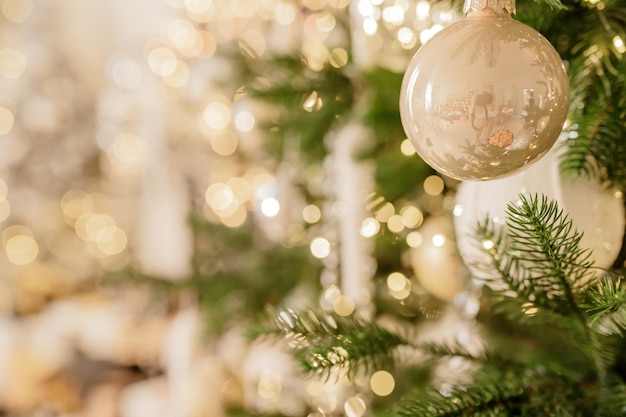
[[331, 345], [537, 256], [607, 306]]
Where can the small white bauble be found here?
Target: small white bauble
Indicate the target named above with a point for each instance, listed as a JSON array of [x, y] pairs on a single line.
[[436, 262], [594, 211], [485, 97]]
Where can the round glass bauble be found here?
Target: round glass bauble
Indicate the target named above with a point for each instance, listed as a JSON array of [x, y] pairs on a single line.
[[485, 97], [436, 262], [596, 212]]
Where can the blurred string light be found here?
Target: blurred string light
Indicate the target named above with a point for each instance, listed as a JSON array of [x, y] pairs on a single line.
[[259, 28], [87, 214], [20, 245], [390, 31], [17, 11]]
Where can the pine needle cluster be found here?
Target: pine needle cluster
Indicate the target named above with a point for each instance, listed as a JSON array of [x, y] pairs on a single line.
[[553, 325]]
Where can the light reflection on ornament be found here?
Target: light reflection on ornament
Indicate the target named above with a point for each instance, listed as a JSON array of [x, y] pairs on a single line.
[[439, 240]]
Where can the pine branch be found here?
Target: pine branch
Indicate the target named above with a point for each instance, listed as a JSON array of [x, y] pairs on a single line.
[[491, 394], [597, 105], [537, 258], [543, 242], [326, 344], [606, 307]]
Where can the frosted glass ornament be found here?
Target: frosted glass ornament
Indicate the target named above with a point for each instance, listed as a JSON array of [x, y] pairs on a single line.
[[436, 262], [596, 212], [486, 96]]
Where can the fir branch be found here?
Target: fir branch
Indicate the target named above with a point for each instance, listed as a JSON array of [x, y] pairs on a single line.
[[543, 241], [536, 258], [491, 394], [604, 298], [606, 307], [327, 344], [597, 105]]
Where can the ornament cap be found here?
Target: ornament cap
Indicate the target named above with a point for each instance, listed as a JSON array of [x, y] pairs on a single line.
[[489, 7]]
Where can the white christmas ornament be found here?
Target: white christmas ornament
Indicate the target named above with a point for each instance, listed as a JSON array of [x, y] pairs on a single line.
[[484, 97], [594, 211], [436, 261]]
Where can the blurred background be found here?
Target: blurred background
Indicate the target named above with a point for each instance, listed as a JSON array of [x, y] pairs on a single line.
[[171, 168]]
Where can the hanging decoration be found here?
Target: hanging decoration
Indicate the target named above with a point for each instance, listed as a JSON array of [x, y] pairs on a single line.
[[436, 262], [599, 214], [485, 96]]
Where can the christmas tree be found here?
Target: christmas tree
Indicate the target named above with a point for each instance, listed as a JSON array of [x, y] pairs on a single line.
[[213, 208]]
